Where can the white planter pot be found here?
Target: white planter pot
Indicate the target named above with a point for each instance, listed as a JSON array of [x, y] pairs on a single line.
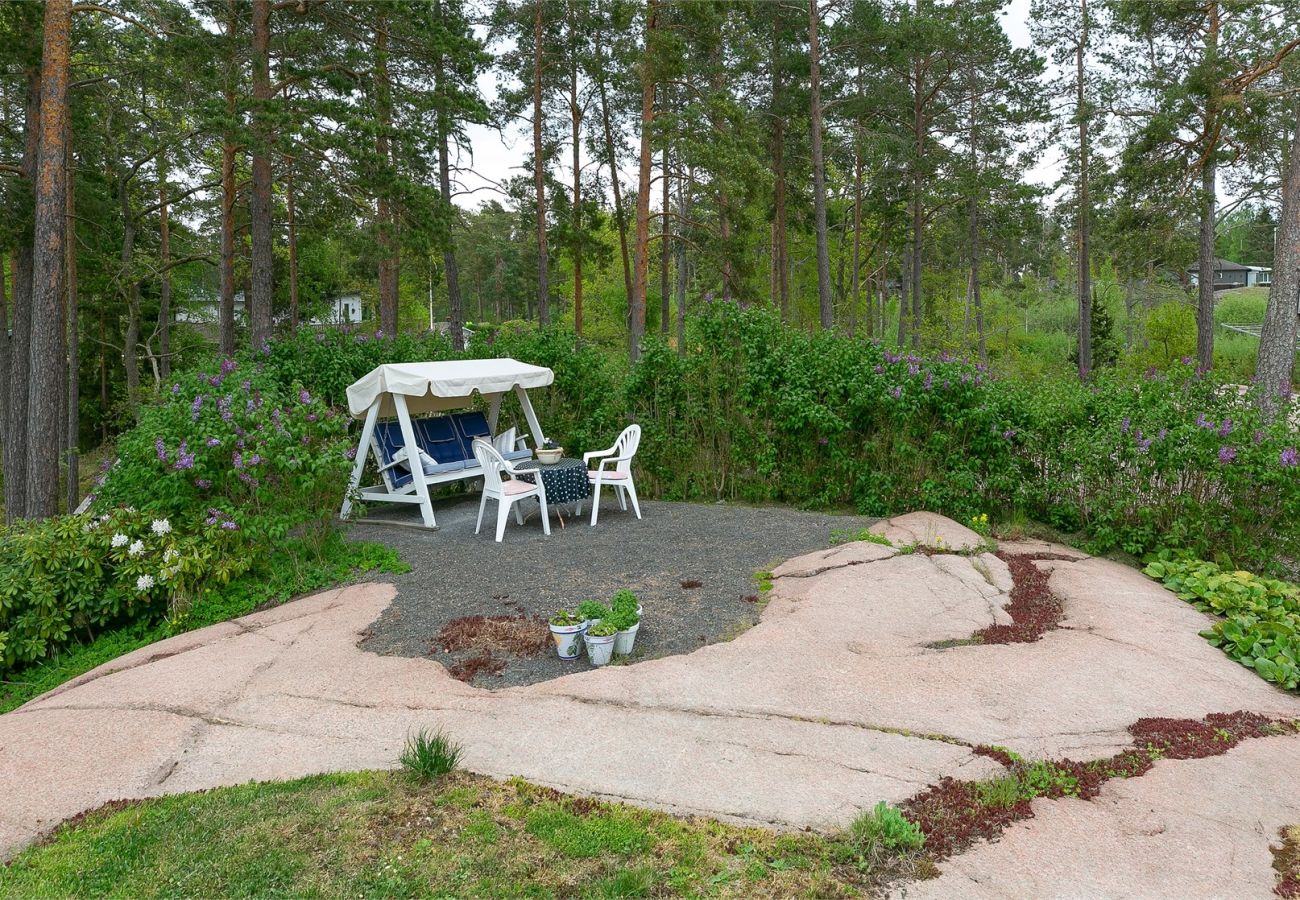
[[568, 639], [600, 648], [624, 640]]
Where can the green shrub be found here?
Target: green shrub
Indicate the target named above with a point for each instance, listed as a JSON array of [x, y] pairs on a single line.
[[1260, 617], [884, 828], [68, 578]]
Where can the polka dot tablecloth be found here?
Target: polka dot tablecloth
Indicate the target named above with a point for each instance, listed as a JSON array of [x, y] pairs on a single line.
[[565, 479]]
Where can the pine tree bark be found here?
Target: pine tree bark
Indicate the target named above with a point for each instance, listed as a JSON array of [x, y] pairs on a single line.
[[611, 159], [1277, 341], [386, 237], [292, 226], [226, 315], [455, 305], [855, 278], [45, 369], [165, 276], [1083, 201], [575, 138], [683, 211], [780, 247], [665, 312], [262, 268], [16, 425], [826, 308], [539, 177], [1208, 205], [974, 228], [72, 437], [641, 252]]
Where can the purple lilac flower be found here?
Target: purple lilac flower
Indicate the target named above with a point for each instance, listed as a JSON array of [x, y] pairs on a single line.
[[879, 370], [1009, 434], [1161, 435], [227, 366], [237, 460], [184, 459], [1202, 422], [311, 417], [1258, 436], [1226, 428], [913, 369], [202, 483], [1187, 360], [897, 392], [946, 384], [160, 449], [1289, 458], [247, 385], [229, 526], [254, 460], [249, 406], [304, 397], [214, 442], [1124, 425], [1227, 454], [929, 380], [176, 388], [196, 407], [224, 406], [350, 453]]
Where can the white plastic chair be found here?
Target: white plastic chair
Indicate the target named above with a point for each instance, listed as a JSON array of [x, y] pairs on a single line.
[[506, 493], [619, 477]]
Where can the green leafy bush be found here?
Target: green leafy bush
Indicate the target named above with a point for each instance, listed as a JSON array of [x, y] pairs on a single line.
[[67, 578], [884, 828], [1260, 617]]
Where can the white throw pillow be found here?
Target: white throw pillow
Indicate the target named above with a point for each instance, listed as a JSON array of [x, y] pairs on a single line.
[[430, 464]]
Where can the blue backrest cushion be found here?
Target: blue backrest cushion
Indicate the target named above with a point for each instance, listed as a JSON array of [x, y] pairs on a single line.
[[388, 438], [437, 437], [471, 425]]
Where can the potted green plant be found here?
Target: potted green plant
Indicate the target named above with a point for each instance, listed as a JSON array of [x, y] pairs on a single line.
[[593, 612], [625, 600], [627, 622], [550, 452], [567, 629], [600, 641]]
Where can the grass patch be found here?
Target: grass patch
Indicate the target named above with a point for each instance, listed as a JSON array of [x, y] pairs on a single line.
[[1286, 862], [430, 755], [290, 571], [381, 833]]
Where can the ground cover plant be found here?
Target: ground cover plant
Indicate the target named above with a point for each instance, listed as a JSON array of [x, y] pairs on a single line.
[[1259, 618], [385, 833]]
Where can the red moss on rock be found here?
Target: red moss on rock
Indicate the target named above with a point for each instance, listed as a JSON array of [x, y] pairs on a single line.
[[952, 818], [1034, 609], [995, 753], [471, 667]]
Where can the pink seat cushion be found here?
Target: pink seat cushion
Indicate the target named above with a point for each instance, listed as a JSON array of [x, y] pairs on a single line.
[[608, 476], [517, 487]]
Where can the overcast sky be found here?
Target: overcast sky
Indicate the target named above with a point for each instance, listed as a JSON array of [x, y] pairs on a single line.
[[497, 156]]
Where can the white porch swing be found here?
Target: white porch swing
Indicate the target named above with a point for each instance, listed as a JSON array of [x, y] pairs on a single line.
[[443, 444]]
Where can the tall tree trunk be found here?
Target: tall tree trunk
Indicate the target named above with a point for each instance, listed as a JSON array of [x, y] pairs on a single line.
[[16, 424], [819, 170], [1277, 341], [641, 251], [130, 293], [575, 137], [855, 279], [455, 308], [974, 227], [611, 158], [164, 277], [539, 177], [1208, 205], [665, 312], [45, 367], [780, 247], [683, 212], [1084, 212], [262, 270], [292, 225], [385, 220], [4, 353], [72, 440], [916, 256], [904, 292], [226, 315]]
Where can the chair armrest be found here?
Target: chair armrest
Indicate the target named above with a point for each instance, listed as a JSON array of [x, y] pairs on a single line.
[[597, 454]]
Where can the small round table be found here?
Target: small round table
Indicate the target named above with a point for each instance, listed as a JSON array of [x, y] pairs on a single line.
[[565, 480]]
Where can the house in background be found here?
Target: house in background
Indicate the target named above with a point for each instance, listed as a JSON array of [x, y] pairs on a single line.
[[1228, 275], [345, 309]]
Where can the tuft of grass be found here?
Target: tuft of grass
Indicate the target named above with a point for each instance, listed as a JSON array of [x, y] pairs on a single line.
[[884, 828], [848, 535], [430, 755]]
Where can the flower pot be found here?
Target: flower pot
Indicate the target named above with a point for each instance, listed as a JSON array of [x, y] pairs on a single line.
[[600, 648], [568, 639], [550, 456], [624, 640]]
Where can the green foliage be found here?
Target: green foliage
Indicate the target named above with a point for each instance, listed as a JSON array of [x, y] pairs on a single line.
[[590, 610], [1259, 623], [603, 628], [845, 535], [429, 755], [566, 619], [884, 828]]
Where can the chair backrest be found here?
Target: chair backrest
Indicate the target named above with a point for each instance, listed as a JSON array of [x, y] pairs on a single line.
[[471, 426], [626, 446], [491, 462], [387, 440], [437, 437]]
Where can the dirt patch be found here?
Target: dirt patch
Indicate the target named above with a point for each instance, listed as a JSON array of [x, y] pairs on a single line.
[[955, 814], [1034, 609], [519, 635], [470, 667], [691, 584]]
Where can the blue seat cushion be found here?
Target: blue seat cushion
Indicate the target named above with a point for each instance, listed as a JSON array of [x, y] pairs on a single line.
[[516, 455], [471, 425], [387, 440]]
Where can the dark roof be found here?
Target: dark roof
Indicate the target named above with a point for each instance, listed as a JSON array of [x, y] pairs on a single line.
[[1226, 265]]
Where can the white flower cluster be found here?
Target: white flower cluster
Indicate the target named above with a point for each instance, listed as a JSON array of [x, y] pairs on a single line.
[[136, 548], [161, 527], [144, 582], [120, 540]]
